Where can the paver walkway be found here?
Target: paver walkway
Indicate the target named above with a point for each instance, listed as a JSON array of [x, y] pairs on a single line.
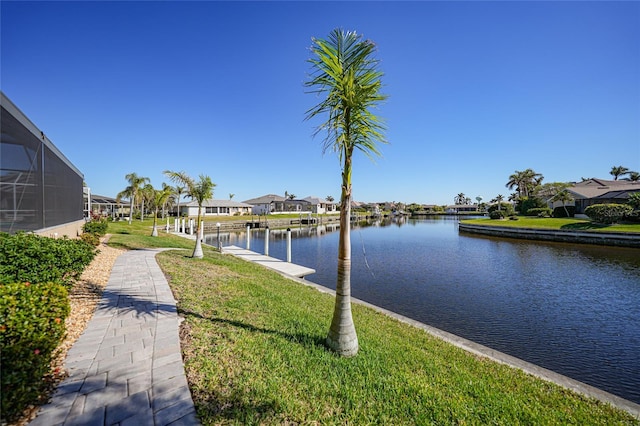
[[126, 368]]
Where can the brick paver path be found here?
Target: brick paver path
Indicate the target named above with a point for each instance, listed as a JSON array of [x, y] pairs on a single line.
[[126, 369]]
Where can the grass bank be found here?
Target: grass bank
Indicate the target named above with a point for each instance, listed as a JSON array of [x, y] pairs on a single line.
[[254, 354], [556, 223]]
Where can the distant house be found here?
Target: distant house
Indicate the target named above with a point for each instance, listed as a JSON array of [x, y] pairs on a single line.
[[103, 206], [459, 208], [267, 204], [214, 207], [320, 206], [600, 191]]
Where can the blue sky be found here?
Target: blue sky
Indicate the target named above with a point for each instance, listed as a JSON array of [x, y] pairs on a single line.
[[477, 90]]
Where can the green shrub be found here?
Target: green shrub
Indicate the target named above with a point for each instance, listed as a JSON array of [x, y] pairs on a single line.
[[608, 213], [539, 212], [525, 204], [91, 238], [562, 211], [497, 214], [98, 227], [31, 258], [31, 327], [506, 208]]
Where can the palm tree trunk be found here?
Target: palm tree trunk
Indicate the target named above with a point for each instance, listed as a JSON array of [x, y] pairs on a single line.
[[342, 336], [154, 232], [131, 211], [197, 251]]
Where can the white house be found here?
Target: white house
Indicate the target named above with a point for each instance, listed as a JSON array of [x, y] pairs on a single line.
[[214, 207], [320, 206]]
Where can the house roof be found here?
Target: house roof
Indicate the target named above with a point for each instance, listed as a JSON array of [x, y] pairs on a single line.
[[101, 199], [217, 203], [600, 188], [265, 199]]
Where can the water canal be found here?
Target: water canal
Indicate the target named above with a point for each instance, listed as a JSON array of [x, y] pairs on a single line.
[[574, 309]]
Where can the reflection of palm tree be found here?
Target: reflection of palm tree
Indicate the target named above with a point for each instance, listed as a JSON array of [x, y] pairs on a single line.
[[200, 191], [345, 71]]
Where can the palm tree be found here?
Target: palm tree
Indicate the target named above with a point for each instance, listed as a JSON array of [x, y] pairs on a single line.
[[158, 199], [200, 191], [147, 194], [499, 198], [459, 199], [345, 71], [329, 198], [525, 182], [634, 176], [179, 190], [168, 203], [133, 190], [618, 171], [564, 197]]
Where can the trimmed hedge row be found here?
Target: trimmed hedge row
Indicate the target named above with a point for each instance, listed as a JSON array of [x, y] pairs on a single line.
[[35, 273], [31, 327], [30, 258]]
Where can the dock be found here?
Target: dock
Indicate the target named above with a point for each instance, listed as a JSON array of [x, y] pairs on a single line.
[[278, 265]]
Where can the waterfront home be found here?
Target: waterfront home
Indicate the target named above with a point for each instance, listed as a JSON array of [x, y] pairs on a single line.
[[600, 191], [459, 208], [213, 207], [320, 206], [267, 204]]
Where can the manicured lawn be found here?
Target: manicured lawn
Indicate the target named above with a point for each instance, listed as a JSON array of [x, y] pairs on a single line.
[[254, 354], [556, 223]]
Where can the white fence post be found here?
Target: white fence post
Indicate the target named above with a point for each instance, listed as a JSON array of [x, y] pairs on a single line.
[[289, 245]]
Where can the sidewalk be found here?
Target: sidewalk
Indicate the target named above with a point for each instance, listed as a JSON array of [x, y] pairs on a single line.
[[126, 368]]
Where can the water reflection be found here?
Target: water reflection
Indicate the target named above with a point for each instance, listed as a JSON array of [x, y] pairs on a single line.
[[574, 309]]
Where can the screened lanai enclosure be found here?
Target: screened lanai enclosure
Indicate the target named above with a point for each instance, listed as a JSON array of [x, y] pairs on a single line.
[[40, 190]]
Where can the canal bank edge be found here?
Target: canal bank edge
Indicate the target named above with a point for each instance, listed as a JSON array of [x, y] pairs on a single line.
[[619, 239], [497, 356]]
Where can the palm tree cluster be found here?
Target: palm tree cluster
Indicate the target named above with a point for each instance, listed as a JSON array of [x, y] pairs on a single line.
[[617, 171], [525, 182]]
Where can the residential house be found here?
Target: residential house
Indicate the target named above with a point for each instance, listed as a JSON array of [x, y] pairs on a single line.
[[101, 205], [267, 204], [600, 191], [214, 207], [320, 206], [459, 208], [40, 189]]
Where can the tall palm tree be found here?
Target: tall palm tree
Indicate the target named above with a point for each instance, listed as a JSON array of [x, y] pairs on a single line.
[[617, 171], [459, 199], [499, 198], [179, 190], [158, 199], [525, 182], [199, 191], [634, 176], [345, 71], [133, 190], [147, 194]]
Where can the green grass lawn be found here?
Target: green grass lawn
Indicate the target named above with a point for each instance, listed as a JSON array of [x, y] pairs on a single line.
[[254, 354], [556, 223]]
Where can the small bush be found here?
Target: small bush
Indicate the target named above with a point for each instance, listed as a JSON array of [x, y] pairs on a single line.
[[539, 212], [497, 214], [91, 238], [98, 227], [31, 327], [608, 213], [31, 258], [507, 208]]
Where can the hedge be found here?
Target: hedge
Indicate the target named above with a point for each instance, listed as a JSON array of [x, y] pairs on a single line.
[[608, 213], [31, 327], [31, 258]]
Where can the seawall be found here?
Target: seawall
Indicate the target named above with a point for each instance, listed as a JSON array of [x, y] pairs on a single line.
[[620, 239]]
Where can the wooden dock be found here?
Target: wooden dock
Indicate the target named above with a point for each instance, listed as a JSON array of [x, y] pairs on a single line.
[[269, 262]]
